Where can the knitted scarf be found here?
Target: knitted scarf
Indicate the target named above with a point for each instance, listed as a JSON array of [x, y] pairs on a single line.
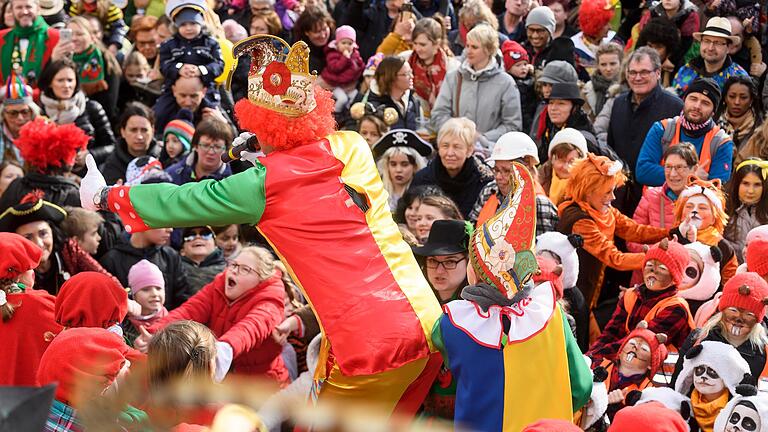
[[64, 111], [90, 65], [705, 412], [427, 78], [600, 85], [606, 222], [744, 128], [695, 130], [11, 54], [709, 236]]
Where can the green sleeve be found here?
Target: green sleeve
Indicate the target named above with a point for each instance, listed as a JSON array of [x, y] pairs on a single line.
[[238, 199], [437, 341], [580, 375]]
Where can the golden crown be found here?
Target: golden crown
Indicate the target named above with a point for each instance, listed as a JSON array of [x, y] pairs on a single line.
[[279, 77]]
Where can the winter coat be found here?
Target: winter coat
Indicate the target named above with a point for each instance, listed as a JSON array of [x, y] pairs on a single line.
[[655, 208], [183, 171], [246, 324], [695, 69], [739, 224], [527, 99], [95, 123], [457, 45], [393, 44], [57, 190], [199, 275], [203, 51], [119, 261], [489, 98], [543, 130], [462, 189], [603, 118], [686, 20], [68, 260], [406, 119], [340, 70], [23, 337], [116, 164]]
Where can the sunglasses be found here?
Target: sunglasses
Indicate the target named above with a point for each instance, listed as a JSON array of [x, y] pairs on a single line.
[[195, 234]]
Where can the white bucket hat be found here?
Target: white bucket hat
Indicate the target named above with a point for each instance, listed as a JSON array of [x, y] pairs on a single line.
[[718, 27]]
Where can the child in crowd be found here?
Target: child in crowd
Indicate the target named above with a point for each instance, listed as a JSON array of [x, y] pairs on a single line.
[[373, 122], [200, 257], [343, 66], [191, 52], [656, 302], [110, 18], [148, 290], [144, 169], [711, 372], [747, 411], [139, 82], [177, 138], [83, 225], [594, 20], [566, 148], [228, 240], [517, 64], [399, 155], [747, 203], [608, 72]]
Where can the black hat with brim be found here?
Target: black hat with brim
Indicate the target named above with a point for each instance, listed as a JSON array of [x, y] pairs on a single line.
[[401, 138], [27, 212], [446, 237], [566, 91]]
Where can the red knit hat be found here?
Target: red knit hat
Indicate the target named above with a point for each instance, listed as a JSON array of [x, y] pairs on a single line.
[[19, 255], [655, 340], [757, 256], [648, 417], [552, 425], [82, 357], [747, 291], [673, 255], [91, 299], [513, 52], [43, 143]]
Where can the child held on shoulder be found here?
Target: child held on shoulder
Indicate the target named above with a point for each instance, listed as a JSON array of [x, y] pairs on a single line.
[[344, 66]]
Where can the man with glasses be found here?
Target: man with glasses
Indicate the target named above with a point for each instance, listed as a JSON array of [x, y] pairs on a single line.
[[713, 60], [17, 109], [211, 139], [445, 258], [633, 114]]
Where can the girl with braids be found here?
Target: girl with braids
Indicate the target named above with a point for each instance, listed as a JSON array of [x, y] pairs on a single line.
[[27, 314]]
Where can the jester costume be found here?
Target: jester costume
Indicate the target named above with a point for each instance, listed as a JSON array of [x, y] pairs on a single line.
[[318, 199], [508, 344], [29, 58]]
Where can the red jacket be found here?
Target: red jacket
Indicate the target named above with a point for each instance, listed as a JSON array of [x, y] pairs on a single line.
[[246, 324], [341, 71], [25, 337]]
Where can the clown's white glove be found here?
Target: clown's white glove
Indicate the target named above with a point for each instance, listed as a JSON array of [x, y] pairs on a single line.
[[689, 229], [91, 186], [223, 360], [246, 156]]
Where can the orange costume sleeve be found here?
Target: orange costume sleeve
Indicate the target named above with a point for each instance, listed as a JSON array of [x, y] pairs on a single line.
[[729, 269], [632, 231], [603, 248]]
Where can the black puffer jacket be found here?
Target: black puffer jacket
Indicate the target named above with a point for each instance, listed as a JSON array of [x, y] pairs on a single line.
[[200, 275], [119, 261], [95, 123], [58, 190], [117, 162]]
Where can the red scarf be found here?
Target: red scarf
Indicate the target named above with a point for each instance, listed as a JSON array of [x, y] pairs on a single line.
[[427, 78]]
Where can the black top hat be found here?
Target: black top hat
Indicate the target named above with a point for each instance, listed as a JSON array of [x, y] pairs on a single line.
[[566, 91], [446, 237], [401, 138], [31, 210], [25, 408]]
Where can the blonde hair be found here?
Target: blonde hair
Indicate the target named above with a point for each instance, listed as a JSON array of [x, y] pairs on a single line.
[[135, 58], [460, 127], [182, 350], [110, 61], [586, 178], [478, 10], [382, 164], [265, 266], [758, 336], [486, 36]]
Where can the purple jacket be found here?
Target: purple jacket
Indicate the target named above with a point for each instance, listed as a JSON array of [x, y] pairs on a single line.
[[339, 70]]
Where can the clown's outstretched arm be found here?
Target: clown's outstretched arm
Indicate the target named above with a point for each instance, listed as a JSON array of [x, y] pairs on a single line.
[[237, 199]]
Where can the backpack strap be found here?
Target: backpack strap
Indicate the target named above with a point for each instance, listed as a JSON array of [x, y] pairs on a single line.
[[669, 137]]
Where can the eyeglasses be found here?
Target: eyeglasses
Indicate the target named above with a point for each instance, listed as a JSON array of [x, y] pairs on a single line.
[[678, 168], [18, 113], [714, 43], [213, 148], [645, 73], [240, 268], [701, 370], [196, 234], [434, 264]]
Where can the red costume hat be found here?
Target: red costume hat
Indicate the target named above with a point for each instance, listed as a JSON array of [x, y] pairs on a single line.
[[594, 15], [671, 254], [552, 425], [91, 299], [655, 341], [757, 257], [82, 359], [284, 108], [747, 291], [19, 255], [44, 144], [648, 417]]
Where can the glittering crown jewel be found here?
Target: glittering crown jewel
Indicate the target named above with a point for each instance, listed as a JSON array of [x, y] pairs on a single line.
[[279, 78], [501, 249]]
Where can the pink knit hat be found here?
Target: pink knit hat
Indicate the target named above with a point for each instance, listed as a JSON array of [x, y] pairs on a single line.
[[145, 274], [346, 32]]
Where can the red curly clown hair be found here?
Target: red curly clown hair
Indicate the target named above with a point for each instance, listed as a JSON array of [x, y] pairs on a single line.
[[282, 132], [586, 177], [594, 15], [44, 144]]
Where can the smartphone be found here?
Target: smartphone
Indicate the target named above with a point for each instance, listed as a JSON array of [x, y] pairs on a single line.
[[65, 34]]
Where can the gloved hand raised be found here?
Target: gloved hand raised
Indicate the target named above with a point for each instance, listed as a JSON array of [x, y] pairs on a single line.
[[91, 186]]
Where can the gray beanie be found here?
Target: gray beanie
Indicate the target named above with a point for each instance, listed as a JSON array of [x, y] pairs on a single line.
[[558, 71], [542, 16]]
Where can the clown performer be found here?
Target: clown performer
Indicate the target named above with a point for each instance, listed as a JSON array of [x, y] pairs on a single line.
[[508, 344], [316, 196]]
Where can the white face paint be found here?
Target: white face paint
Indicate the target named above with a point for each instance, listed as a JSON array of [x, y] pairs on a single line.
[[707, 381], [743, 418], [699, 209]]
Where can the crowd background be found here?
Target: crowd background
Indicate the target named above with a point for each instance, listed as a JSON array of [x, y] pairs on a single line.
[[448, 94]]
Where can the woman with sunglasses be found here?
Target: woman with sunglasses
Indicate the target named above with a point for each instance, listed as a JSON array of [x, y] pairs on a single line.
[[241, 306], [200, 257]]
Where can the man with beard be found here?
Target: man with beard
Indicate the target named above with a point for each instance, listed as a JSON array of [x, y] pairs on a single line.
[[694, 125]]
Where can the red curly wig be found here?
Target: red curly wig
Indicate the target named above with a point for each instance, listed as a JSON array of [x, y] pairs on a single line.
[[43, 144], [594, 15], [283, 132]]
